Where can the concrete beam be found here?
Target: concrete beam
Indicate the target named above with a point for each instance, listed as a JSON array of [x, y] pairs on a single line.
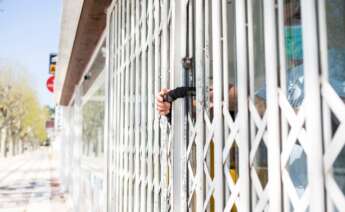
[[91, 24]]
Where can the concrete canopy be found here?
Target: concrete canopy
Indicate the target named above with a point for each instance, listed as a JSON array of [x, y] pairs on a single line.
[[89, 28]]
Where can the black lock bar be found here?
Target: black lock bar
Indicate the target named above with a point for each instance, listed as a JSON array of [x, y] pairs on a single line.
[[179, 92]]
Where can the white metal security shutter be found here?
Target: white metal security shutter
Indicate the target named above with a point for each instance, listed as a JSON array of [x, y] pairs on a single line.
[[139, 51], [218, 151], [237, 154], [331, 16]]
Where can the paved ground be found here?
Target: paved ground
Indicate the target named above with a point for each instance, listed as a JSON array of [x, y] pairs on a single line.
[[29, 183]]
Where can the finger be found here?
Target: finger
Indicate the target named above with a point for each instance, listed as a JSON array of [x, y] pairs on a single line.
[[163, 113], [161, 105], [163, 109], [159, 98], [160, 109], [167, 105], [163, 91]]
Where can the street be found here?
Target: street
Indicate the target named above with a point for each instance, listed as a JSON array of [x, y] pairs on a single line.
[[30, 183]]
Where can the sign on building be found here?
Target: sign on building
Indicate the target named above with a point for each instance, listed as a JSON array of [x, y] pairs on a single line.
[[52, 63]]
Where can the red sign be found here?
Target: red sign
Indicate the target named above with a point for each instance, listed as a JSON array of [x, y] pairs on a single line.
[[50, 84]]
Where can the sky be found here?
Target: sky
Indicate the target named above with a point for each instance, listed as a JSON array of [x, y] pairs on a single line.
[[29, 32]]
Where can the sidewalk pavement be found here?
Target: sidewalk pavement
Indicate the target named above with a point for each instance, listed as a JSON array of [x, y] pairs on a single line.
[[30, 183]]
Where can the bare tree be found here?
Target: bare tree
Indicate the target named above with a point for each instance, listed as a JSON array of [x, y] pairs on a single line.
[[21, 115]]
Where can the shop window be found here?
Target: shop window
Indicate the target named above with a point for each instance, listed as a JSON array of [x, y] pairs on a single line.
[[93, 119]]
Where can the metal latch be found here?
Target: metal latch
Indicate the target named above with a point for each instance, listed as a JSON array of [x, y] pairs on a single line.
[[187, 63]]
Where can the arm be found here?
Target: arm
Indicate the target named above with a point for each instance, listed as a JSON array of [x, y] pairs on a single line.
[[166, 97]]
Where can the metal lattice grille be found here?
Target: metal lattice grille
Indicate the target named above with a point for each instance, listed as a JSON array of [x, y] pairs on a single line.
[[140, 143], [245, 133]]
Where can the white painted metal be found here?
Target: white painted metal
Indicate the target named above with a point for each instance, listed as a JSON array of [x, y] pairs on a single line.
[[209, 130], [150, 158], [217, 101], [107, 179], [274, 182], [117, 106], [327, 126], [137, 113], [156, 145], [143, 122], [165, 128], [132, 115], [258, 132], [178, 143], [333, 138], [150, 103], [77, 141], [141, 183], [242, 69], [198, 180], [283, 88], [313, 105]]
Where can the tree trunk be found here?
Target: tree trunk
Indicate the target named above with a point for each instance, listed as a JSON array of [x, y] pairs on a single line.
[[21, 146], [18, 145], [10, 145], [3, 136]]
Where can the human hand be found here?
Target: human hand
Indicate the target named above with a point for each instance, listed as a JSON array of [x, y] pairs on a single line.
[[162, 107]]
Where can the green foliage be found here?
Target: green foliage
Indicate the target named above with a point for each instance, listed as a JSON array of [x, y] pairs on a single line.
[[20, 111], [93, 122]]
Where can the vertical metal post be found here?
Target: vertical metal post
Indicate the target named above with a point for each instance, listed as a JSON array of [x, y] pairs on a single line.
[[217, 100], [326, 118], [272, 111], [77, 141], [120, 128], [126, 74], [178, 51], [283, 87], [225, 39], [252, 70], [208, 86], [226, 55], [121, 101], [164, 124], [156, 114], [114, 110], [150, 103], [251, 57], [242, 69], [132, 108], [117, 109], [200, 87], [137, 112], [143, 106], [312, 98], [107, 114]]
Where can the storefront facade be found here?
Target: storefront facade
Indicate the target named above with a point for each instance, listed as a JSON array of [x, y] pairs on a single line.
[[263, 132]]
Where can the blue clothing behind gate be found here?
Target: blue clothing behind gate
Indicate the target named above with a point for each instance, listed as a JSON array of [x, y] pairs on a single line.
[[295, 78], [297, 164]]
